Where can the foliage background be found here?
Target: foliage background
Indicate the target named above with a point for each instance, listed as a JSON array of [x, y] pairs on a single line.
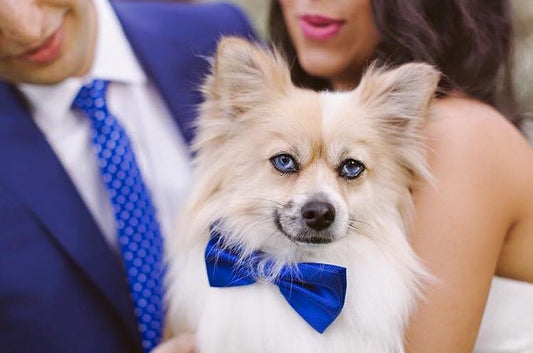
[[256, 10]]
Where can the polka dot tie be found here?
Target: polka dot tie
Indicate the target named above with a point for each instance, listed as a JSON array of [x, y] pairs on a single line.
[[137, 228]]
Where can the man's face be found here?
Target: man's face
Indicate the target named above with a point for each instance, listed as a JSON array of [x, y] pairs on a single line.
[[45, 41]]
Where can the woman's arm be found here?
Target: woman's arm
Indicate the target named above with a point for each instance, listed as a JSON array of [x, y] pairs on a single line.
[[461, 222], [516, 256]]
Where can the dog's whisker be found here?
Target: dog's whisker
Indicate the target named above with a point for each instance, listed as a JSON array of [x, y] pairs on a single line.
[[354, 221], [270, 236], [359, 226], [263, 207], [266, 200], [255, 223]]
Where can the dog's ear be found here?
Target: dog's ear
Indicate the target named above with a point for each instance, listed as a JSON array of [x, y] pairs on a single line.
[[244, 75], [399, 97], [398, 101]]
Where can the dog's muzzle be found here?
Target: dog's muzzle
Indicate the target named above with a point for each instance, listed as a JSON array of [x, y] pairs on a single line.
[[308, 223]]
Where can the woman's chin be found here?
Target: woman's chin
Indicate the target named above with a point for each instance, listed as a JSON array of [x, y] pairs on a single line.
[[324, 66]]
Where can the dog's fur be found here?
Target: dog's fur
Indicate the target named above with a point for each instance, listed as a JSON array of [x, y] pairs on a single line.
[[253, 112]]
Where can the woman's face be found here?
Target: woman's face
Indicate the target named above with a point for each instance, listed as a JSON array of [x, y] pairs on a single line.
[[333, 38]]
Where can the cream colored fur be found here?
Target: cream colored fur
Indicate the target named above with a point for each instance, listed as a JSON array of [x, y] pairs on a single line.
[[253, 112]]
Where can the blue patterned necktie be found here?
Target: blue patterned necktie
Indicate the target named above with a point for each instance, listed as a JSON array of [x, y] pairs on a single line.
[[315, 291], [135, 217]]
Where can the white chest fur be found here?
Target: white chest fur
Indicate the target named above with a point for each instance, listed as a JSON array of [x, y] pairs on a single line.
[[257, 318]]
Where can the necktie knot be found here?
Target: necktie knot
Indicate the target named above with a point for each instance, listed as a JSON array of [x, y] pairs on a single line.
[[91, 99]]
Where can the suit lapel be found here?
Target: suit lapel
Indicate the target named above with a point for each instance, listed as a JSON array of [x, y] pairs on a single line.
[[32, 171], [171, 58]]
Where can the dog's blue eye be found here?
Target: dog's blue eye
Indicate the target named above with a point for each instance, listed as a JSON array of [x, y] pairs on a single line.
[[351, 169], [284, 163]]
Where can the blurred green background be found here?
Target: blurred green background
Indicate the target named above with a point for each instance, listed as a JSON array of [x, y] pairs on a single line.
[[257, 11]]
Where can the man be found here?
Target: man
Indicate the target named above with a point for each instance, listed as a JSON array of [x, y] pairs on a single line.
[[96, 106]]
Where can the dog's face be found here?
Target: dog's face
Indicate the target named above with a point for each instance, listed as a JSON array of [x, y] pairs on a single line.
[[285, 167]]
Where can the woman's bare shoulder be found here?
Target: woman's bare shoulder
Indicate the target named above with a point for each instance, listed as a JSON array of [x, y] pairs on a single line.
[[468, 121], [474, 138], [478, 161], [484, 144], [482, 149], [483, 172]]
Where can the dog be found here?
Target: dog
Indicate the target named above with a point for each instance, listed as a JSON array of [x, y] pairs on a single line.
[[294, 183]]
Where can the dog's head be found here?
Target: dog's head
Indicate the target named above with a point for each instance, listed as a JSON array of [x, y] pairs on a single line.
[[287, 168]]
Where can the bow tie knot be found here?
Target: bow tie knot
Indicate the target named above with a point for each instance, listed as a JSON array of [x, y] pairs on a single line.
[[315, 291]]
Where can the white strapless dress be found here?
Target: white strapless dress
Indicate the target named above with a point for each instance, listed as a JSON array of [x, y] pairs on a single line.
[[507, 325]]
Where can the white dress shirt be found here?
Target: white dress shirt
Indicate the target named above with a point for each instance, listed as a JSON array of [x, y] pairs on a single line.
[[160, 150]]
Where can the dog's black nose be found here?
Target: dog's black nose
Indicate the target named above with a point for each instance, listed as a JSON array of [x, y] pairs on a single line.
[[318, 215]]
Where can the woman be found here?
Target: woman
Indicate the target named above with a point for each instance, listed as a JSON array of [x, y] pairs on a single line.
[[477, 220]]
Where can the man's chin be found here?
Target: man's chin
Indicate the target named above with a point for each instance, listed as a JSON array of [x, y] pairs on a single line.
[[49, 75]]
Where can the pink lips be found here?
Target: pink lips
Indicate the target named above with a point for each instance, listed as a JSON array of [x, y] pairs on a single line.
[[47, 51], [321, 28]]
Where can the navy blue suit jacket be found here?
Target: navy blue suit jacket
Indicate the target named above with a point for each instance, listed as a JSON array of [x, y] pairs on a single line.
[[62, 289]]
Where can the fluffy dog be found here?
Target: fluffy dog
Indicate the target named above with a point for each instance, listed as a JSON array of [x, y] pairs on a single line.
[[286, 176]]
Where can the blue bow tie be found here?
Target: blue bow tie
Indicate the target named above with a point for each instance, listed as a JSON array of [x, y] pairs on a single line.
[[316, 291]]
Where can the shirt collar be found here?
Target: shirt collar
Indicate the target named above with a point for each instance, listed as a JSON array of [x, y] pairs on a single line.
[[114, 60]]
